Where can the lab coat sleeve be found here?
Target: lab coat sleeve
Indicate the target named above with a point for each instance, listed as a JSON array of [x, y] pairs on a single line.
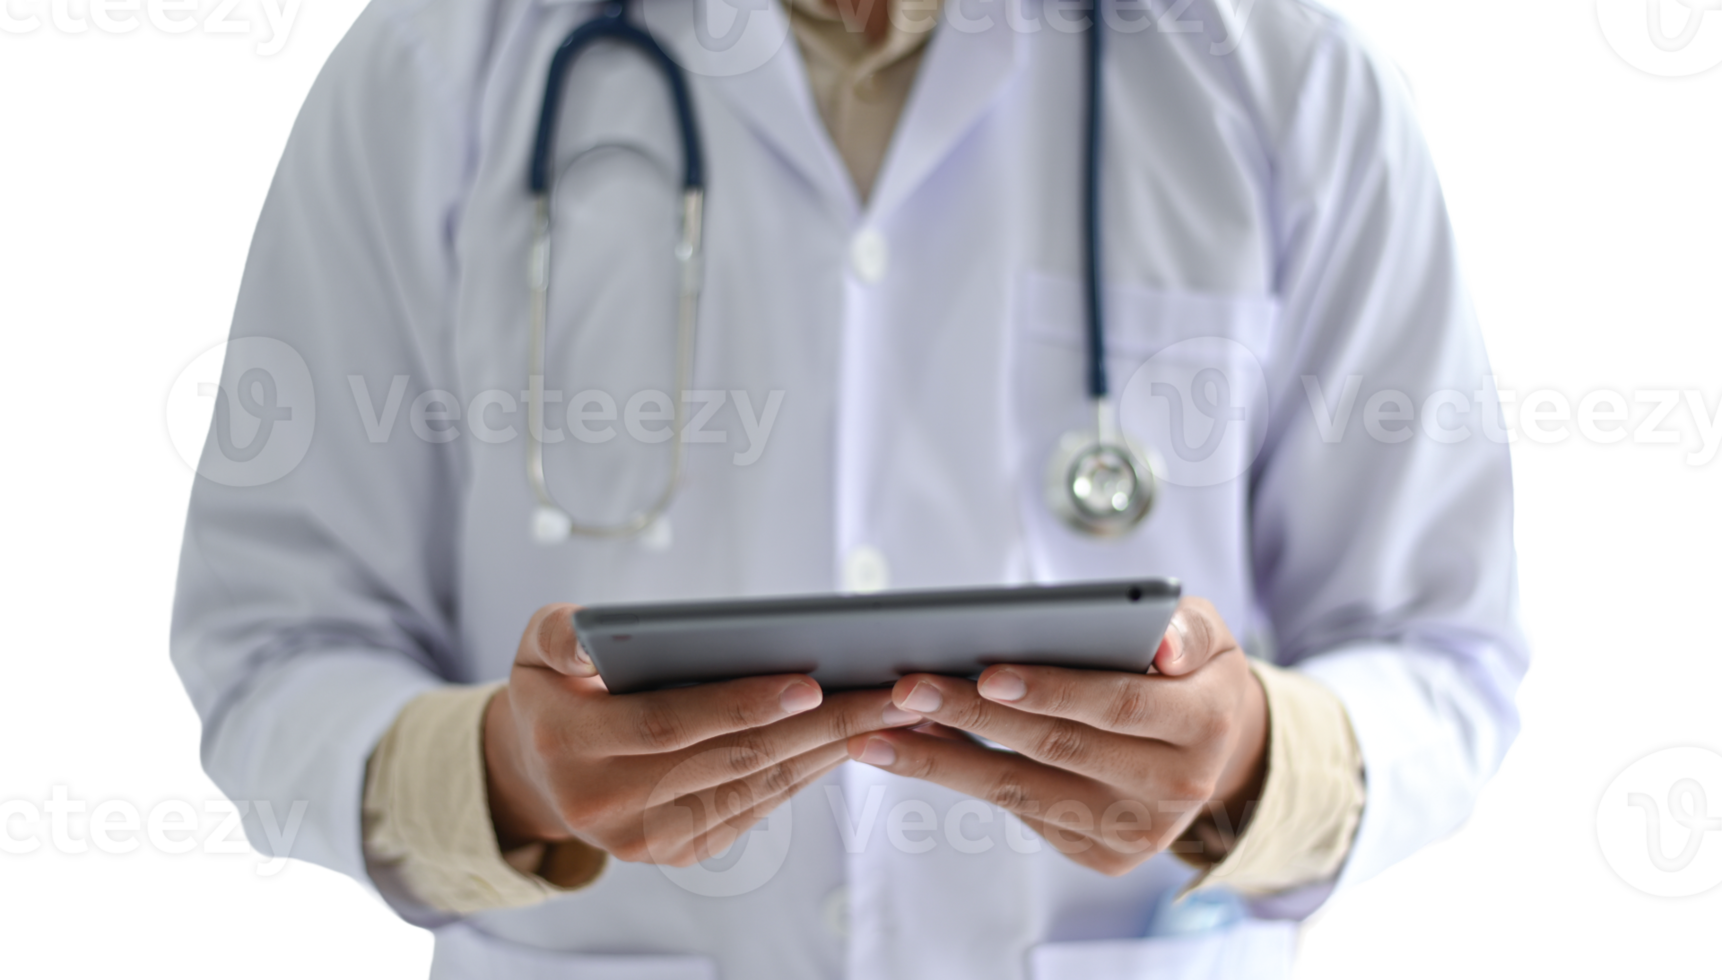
[[310, 609], [1383, 548]]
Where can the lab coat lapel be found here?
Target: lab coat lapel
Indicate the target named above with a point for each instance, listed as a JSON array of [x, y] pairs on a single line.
[[963, 73], [775, 101]]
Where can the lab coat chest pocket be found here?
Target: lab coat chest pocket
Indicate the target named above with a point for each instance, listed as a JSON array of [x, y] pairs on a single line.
[[1186, 372], [1251, 950]]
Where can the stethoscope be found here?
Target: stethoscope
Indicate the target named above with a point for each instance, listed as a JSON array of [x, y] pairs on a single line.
[[1097, 482]]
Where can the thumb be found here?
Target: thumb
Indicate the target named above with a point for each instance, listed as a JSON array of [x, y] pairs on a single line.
[[550, 641], [1196, 635]]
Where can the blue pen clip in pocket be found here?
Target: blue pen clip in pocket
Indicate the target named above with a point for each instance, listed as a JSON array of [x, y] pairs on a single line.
[[1198, 913]]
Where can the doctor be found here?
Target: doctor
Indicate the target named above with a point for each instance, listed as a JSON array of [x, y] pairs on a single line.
[[890, 345]]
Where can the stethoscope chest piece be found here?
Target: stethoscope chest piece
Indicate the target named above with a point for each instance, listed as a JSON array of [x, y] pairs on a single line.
[[1100, 485]]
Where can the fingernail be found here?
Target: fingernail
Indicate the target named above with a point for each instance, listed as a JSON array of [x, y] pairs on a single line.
[[799, 697], [1006, 685], [1176, 636], [877, 752], [925, 698], [582, 661], [897, 716]]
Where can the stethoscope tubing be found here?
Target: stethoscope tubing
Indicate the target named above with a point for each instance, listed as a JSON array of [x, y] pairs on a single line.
[[1092, 252], [551, 521], [612, 24], [1108, 448]]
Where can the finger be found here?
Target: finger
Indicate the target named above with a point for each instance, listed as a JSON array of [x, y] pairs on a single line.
[[1065, 840], [1196, 636], [937, 730], [1108, 756], [549, 641], [1083, 819], [721, 837], [1106, 852], [1173, 710], [1004, 779], [1178, 710], [697, 813], [742, 754], [657, 722]]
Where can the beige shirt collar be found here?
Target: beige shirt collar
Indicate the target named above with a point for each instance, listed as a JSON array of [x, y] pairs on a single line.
[[911, 24]]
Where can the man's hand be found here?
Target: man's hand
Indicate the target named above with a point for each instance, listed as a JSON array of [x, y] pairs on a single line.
[[1109, 767], [667, 777]]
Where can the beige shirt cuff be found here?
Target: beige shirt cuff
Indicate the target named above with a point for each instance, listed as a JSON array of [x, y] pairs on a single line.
[[427, 814], [1301, 830]]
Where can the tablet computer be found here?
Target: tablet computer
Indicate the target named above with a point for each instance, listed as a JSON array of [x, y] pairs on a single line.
[[852, 641]]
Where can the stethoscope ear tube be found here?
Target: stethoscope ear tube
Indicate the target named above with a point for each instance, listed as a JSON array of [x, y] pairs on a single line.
[[1092, 254], [612, 25], [1097, 481], [550, 522]]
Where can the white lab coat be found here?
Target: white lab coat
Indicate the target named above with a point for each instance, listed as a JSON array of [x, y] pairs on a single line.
[[1278, 195]]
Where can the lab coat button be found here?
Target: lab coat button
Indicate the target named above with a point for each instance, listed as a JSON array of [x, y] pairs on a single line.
[[865, 570], [869, 256]]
